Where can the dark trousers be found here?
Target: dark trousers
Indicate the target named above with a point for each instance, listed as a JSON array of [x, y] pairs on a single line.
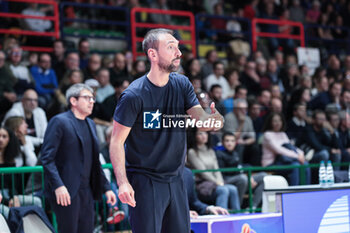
[[78, 217], [160, 207]]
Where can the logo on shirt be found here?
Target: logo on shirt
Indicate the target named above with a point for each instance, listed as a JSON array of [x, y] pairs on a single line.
[[151, 120]]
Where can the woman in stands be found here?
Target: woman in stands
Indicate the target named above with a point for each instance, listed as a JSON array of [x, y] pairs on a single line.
[[18, 125], [277, 149], [210, 185]]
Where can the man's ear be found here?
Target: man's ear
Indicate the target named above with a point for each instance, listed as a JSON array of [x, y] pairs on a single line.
[[152, 54], [73, 101]]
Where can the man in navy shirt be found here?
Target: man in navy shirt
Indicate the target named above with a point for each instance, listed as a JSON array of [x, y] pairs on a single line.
[[150, 119]]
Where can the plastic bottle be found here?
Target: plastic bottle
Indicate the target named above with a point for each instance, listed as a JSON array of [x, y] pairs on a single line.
[[322, 176], [330, 174]]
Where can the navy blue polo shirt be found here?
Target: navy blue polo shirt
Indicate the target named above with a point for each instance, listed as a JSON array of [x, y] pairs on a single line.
[[153, 147]]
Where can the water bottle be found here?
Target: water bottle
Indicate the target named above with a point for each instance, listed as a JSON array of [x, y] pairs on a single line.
[[330, 174], [322, 174]]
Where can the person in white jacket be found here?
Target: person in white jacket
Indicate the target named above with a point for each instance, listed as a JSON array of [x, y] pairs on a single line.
[[34, 116], [18, 125]]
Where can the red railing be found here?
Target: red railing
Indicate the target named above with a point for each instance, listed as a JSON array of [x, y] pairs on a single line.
[[134, 25], [255, 33], [54, 18]]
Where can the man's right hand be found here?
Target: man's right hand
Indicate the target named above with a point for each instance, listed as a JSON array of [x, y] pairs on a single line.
[[62, 196], [126, 194]]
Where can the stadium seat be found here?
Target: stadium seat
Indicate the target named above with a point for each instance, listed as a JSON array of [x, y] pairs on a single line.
[[3, 225], [269, 197]]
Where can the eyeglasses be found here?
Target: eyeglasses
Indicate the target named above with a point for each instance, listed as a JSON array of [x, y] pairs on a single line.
[[31, 100], [88, 98]]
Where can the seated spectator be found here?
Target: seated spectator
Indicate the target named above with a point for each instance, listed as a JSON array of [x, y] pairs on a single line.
[[196, 206], [71, 62], [57, 58], [278, 150], [7, 82], [34, 116], [94, 64], [321, 100], [193, 69], [119, 70], [84, 50], [210, 185], [299, 96], [208, 67], [345, 100], [241, 125], [313, 14], [18, 125], [229, 158], [45, 79], [138, 69], [261, 68], [160, 18], [9, 153], [276, 105], [273, 72], [20, 73], [216, 95], [321, 137], [250, 78], [264, 100], [105, 89], [232, 76], [38, 25], [254, 113], [344, 135], [218, 78], [296, 126]]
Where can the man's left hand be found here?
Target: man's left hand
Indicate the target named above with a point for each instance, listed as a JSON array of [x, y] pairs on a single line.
[[216, 116], [111, 198]]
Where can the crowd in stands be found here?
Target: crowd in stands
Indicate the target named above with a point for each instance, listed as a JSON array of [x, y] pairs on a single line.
[[276, 112]]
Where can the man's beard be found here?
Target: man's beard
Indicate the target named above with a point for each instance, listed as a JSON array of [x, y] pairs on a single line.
[[168, 67]]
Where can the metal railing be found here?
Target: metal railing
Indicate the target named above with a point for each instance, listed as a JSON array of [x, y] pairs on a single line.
[[54, 19], [137, 39]]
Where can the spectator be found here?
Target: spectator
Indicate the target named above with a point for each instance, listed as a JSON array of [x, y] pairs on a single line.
[[261, 69], [334, 71], [264, 100], [344, 135], [197, 85], [276, 105], [216, 95], [278, 150], [275, 91], [313, 14], [345, 100], [250, 78], [138, 69], [297, 124], [290, 79], [160, 18], [298, 96], [321, 137], [34, 116], [196, 206], [7, 82], [71, 63], [229, 158], [38, 25], [28, 157], [57, 58], [218, 78], [201, 156], [321, 85], [254, 113], [210, 58], [324, 32], [193, 69], [232, 76], [21, 73], [105, 89], [297, 12], [273, 73], [321, 100], [241, 125], [94, 64], [84, 50], [45, 79], [119, 70]]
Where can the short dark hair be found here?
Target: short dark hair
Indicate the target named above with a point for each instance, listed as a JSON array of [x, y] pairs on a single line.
[[217, 63], [240, 87], [82, 40], [316, 112], [151, 40], [226, 133], [214, 86]]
